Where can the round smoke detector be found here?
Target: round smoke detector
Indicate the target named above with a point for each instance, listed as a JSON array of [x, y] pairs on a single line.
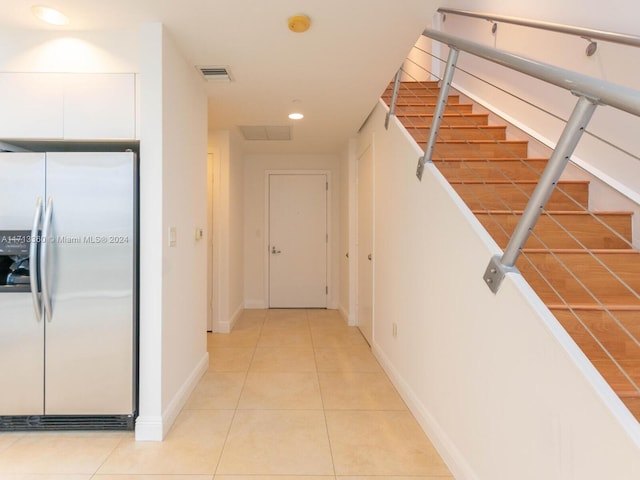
[[299, 23]]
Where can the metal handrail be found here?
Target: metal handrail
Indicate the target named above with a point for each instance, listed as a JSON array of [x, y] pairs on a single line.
[[591, 92], [604, 92], [590, 33]]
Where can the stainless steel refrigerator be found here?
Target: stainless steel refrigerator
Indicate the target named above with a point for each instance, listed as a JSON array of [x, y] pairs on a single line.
[[68, 307]]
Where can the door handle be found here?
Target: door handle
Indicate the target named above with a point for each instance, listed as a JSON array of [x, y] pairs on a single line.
[[33, 260], [369, 257], [44, 253], [274, 251]]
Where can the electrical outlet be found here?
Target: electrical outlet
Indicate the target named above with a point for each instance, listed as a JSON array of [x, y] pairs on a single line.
[[395, 330]]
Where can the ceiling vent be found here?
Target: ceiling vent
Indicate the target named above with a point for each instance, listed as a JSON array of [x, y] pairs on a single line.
[[216, 73], [265, 132]]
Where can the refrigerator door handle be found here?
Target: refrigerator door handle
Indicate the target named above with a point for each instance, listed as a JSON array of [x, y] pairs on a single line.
[[44, 253], [33, 259]]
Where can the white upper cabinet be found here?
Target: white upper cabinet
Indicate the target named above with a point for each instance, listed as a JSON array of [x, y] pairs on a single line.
[[32, 105], [70, 106], [99, 106]]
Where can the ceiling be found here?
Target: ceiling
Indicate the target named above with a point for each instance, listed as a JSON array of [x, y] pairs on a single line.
[[333, 73]]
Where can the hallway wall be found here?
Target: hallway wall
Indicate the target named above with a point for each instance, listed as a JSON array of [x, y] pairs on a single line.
[[496, 382], [228, 229], [173, 194], [255, 166]]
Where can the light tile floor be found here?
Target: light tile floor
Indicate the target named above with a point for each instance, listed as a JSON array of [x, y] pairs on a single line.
[[288, 393]]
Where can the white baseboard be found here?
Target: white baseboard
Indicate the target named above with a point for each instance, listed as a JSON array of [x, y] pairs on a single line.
[[459, 467], [155, 428], [255, 304], [227, 326], [345, 314], [149, 429]]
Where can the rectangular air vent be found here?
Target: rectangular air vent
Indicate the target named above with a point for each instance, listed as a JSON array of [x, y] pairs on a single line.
[[215, 73], [265, 132]]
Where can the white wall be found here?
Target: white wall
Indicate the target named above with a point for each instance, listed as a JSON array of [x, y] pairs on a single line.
[[173, 191], [69, 52], [254, 217], [613, 63], [228, 227], [502, 390], [184, 158]]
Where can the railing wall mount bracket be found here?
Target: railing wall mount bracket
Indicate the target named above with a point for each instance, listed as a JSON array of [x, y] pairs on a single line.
[[495, 273]]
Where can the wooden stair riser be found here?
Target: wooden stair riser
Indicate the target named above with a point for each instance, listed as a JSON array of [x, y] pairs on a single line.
[[617, 332], [461, 133], [411, 97], [491, 170], [605, 339], [553, 232], [565, 272], [505, 196], [480, 149], [415, 86], [633, 404], [414, 120], [459, 108]]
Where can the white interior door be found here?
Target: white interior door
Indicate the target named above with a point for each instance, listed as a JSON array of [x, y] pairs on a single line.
[[365, 244], [298, 240]]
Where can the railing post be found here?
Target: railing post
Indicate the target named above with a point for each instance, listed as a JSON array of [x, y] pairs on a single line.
[[500, 265], [441, 103], [394, 98]]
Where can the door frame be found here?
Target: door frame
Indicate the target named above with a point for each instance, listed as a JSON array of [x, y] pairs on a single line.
[[368, 144], [267, 236]]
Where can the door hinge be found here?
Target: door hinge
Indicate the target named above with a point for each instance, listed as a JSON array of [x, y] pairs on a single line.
[[326, 238], [327, 186], [326, 290]]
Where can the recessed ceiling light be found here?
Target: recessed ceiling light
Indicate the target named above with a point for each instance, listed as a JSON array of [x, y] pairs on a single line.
[[49, 15], [296, 116]]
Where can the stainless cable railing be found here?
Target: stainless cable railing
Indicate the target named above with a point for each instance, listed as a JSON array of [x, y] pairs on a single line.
[[591, 92], [596, 321]]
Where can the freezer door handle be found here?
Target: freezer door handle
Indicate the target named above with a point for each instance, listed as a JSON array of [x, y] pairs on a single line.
[[44, 254], [33, 259]]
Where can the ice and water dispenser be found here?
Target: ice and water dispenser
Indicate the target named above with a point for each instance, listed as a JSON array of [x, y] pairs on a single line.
[[14, 261]]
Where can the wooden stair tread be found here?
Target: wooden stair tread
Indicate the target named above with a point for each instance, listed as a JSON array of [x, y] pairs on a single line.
[[490, 195], [593, 307], [422, 104], [556, 212], [460, 108], [563, 229], [460, 132], [578, 277], [416, 119], [461, 128], [596, 251], [483, 142], [514, 182], [489, 160], [491, 171], [416, 84], [426, 97]]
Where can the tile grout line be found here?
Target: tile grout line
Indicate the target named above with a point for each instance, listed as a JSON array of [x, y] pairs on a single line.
[[324, 411], [235, 411], [122, 439]]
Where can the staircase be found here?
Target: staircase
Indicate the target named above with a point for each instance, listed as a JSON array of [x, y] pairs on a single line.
[[579, 262]]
